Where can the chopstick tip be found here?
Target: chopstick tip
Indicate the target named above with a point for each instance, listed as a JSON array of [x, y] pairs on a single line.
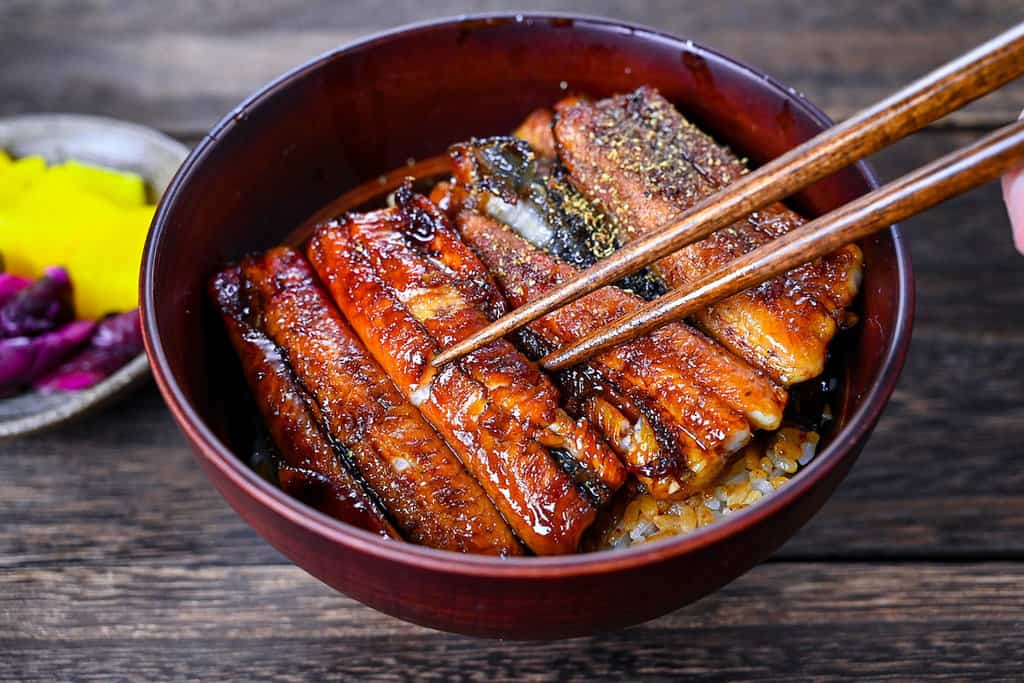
[[440, 359]]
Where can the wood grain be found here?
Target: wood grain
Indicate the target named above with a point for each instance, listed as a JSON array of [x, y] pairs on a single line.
[[118, 560], [183, 70], [275, 623]]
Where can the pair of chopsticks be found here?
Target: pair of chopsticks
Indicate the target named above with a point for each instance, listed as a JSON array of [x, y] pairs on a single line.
[[952, 86]]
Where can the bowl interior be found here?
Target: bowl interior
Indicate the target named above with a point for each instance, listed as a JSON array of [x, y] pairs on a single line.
[[104, 142], [353, 115]]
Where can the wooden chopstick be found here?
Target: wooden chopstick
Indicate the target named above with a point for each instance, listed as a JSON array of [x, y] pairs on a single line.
[[944, 90], [953, 174]]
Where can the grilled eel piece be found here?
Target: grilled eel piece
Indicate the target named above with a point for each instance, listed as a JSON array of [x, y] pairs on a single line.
[[535, 130], [638, 158], [431, 497], [579, 234], [495, 407], [673, 392], [507, 179], [307, 462], [673, 397], [596, 469], [633, 438]]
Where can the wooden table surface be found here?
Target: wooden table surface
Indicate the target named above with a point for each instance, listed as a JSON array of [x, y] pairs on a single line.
[[118, 560]]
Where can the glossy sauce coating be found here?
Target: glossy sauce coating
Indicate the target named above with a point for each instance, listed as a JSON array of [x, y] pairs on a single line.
[[645, 164], [432, 498], [668, 378], [577, 448], [491, 405], [308, 466], [531, 271]]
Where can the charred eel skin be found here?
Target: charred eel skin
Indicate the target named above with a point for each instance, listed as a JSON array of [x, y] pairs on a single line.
[[645, 164], [308, 464], [507, 178], [494, 406], [428, 492]]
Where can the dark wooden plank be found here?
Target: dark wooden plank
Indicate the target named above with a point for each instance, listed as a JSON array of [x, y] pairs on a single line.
[[826, 621], [122, 485], [118, 560], [940, 477], [967, 235], [181, 69]]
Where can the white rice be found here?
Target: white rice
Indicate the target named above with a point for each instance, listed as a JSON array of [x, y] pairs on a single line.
[[761, 467]]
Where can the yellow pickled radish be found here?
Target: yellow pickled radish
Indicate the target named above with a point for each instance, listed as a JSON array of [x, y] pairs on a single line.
[[91, 221], [124, 189], [17, 176]]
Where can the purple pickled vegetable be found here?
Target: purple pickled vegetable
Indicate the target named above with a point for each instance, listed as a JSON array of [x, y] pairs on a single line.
[[11, 285], [25, 359], [42, 306], [117, 339]]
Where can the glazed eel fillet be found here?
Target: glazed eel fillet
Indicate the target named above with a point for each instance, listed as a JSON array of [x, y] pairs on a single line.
[[391, 275], [374, 429], [644, 164], [671, 403], [674, 404], [307, 462]]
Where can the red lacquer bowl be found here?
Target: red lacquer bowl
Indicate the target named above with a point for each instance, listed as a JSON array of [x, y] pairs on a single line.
[[353, 114]]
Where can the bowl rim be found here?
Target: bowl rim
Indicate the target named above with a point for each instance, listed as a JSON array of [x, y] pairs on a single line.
[[208, 446]]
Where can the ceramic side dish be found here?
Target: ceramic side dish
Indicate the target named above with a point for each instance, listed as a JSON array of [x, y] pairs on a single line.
[[103, 142]]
